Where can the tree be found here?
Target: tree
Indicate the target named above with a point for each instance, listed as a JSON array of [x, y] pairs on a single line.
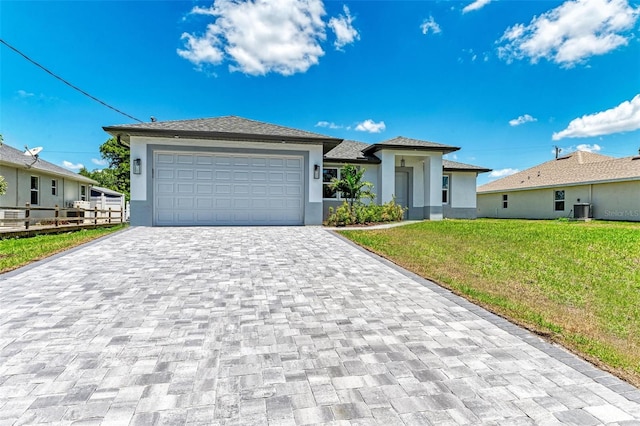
[[116, 176], [351, 185]]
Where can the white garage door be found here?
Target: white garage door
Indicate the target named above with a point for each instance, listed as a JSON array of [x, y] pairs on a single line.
[[227, 189]]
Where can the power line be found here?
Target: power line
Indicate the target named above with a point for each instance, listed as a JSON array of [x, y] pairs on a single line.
[[67, 83]]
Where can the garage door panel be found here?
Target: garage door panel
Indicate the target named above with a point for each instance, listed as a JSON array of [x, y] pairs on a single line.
[[184, 159], [165, 174], [204, 175], [184, 188], [165, 159], [164, 188], [294, 163], [185, 174], [228, 189]]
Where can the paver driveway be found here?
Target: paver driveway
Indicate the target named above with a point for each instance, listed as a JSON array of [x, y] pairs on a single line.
[[271, 326]]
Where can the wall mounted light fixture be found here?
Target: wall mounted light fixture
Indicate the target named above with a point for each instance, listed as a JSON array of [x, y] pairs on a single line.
[[316, 171], [402, 163], [137, 166]]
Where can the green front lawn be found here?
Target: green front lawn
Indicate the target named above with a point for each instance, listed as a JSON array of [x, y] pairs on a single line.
[[578, 283], [17, 252]]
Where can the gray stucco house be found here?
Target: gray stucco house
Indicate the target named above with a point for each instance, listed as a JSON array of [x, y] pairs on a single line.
[[39, 183], [580, 184], [235, 171]]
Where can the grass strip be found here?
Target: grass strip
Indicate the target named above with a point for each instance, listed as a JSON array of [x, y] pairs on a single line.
[[17, 252], [577, 283]]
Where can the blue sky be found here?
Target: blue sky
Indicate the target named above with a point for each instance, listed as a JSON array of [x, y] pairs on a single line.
[[504, 80]]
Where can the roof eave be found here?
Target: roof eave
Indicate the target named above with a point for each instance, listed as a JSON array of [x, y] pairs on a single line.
[[531, 188], [77, 176], [353, 160], [124, 136], [380, 146], [462, 169]]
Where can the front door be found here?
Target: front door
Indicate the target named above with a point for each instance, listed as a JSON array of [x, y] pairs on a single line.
[[402, 189]]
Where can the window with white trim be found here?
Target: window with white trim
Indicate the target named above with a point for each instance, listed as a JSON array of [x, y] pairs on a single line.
[[328, 174], [35, 190], [558, 200], [83, 192], [505, 201], [54, 187], [446, 179]]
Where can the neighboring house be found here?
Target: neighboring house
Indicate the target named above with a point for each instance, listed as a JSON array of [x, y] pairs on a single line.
[[585, 183], [235, 171], [105, 199], [39, 183]]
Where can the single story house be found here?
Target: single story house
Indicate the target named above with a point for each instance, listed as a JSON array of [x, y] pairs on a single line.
[[33, 180], [235, 171], [581, 184]]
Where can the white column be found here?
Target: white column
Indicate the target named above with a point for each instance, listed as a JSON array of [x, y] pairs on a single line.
[[433, 187], [387, 176]]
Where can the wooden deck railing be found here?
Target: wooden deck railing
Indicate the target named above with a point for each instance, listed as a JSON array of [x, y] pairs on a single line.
[[60, 216]]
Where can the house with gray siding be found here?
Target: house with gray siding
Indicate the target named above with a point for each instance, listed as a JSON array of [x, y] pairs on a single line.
[[578, 185], [35, 181]]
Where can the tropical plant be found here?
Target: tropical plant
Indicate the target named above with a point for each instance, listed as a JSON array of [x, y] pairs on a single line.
[[351, 185]]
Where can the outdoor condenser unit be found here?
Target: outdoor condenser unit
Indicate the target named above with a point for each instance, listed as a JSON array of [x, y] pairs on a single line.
[[582, 211]]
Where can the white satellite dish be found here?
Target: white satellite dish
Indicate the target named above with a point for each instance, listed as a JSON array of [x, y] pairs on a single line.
[[33, 151]]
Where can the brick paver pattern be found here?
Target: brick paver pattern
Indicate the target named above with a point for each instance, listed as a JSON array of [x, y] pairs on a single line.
[[272, 326]]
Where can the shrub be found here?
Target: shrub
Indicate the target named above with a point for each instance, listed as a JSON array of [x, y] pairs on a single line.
[[362, 214]]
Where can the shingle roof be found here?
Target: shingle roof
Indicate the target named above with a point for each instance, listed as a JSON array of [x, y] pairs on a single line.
[[454, 165], [350, 150], [228, 127], [17, 158], [400, 142], [576, 168]]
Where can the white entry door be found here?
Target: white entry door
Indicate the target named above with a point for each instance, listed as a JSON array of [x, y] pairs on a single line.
[[192, 188]]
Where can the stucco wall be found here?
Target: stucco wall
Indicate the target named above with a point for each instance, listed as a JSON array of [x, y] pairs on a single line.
[[141, 195], [612, 201], [617, 201], [19, 190]]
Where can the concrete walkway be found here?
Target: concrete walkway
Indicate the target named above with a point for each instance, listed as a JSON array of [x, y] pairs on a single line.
[[277, 326]]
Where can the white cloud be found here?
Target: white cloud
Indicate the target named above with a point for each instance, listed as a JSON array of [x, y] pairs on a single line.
[[623, 118], [478, 4], [99, 162], [451, 157], [371, 126], [343, 29], [571, 33], [522, 119], [328, 124], [503, 172], [430, 24], [259, 36], [70, 165], [24, 94]]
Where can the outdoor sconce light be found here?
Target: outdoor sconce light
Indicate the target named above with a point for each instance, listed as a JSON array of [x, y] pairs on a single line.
[[316, 172], [402, 163], [137, 166]]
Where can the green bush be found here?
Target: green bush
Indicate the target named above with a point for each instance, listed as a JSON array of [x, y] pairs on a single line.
[[365, 214]]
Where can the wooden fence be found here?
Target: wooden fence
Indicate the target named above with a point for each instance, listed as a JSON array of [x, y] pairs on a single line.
[[28, 216]]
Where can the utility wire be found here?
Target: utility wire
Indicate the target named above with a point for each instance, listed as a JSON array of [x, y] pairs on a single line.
[[67, 83]]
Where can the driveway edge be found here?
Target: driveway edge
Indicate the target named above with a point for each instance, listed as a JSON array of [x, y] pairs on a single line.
[[555, 351], [58, 255]]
